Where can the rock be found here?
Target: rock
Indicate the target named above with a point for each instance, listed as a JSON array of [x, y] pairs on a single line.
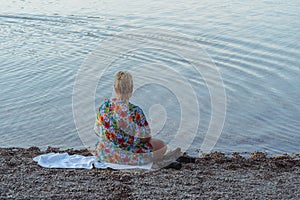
[[34, 148]]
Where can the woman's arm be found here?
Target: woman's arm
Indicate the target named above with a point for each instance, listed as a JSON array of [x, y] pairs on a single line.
[[146, 139], [143, 129]]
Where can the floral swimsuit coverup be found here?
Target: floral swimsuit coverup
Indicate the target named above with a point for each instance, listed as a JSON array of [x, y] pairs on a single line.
[[120, 126]]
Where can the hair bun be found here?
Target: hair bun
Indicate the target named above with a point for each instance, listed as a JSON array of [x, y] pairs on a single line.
[[120, 75]]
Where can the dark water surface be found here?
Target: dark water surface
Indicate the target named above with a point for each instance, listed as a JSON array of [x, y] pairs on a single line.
[[254, 44]]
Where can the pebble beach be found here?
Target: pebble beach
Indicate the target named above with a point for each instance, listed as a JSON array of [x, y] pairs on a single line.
[[211, 176]]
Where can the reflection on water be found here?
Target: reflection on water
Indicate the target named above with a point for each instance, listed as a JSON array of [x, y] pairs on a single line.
[[254, 44]]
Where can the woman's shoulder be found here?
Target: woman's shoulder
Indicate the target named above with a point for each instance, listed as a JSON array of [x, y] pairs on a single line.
[[135, 108], [109, 100], [112, 102], [105, 101]]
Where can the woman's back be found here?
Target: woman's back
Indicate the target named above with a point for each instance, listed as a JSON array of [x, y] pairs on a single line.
[[124, 126]]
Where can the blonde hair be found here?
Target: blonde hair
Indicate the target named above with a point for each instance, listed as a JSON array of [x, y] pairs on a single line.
[[123, 84]]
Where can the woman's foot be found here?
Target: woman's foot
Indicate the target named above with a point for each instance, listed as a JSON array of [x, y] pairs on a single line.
[[174, 165], [167, 159]]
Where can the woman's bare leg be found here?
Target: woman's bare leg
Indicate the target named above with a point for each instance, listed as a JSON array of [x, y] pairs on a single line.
[[159, 148]]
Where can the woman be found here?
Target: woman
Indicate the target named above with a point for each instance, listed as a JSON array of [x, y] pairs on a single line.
[[124, 133]]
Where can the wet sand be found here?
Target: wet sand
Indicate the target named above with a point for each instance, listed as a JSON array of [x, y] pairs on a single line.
[[213, 176]]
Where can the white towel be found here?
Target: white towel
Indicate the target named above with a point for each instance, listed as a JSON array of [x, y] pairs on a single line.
[[64, 160]]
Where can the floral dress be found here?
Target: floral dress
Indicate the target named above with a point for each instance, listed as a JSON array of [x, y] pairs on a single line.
[[121, 126]]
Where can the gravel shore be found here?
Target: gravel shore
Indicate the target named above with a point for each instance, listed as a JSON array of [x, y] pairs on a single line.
[[213, 176]]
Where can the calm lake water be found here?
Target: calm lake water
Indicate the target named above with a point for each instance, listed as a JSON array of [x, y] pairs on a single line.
[[254, 44]]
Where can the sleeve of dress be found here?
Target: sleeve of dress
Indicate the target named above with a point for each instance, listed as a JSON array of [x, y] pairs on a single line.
[[97, 123], [100, 115], [143, 129]]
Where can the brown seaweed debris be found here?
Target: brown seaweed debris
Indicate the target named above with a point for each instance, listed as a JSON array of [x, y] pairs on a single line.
[[213, 155], [258, 155], [83, 152], [236, 155], [281, 157]]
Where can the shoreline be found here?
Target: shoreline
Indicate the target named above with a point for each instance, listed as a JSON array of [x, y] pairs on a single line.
[[213, 176]]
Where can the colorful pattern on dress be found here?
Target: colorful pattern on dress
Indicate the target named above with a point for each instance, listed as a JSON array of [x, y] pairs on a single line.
[[121, 126]]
